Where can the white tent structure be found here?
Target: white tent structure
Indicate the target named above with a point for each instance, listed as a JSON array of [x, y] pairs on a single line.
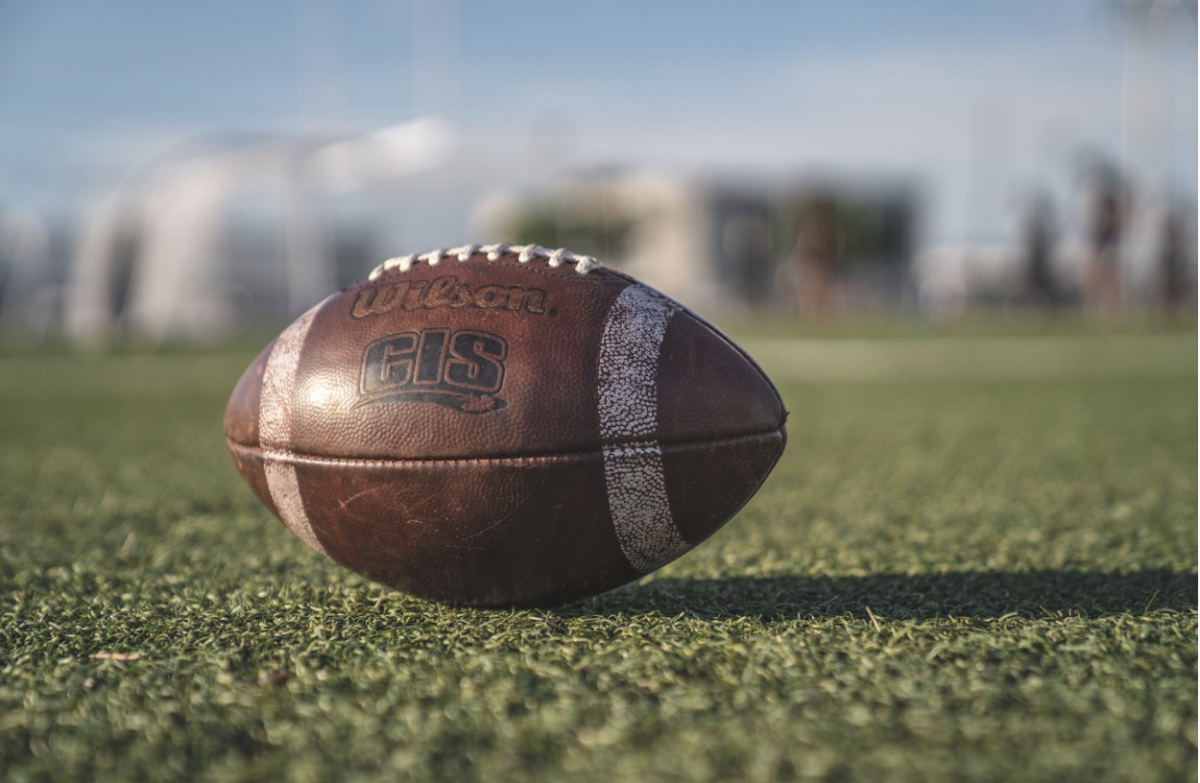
[[149, 260]]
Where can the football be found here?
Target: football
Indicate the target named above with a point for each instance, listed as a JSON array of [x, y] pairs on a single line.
[[503, 426]]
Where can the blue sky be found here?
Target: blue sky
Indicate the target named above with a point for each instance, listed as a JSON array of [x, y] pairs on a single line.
[[975, 102]]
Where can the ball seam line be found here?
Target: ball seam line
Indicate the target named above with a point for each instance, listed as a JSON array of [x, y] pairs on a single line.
[[598, 453]]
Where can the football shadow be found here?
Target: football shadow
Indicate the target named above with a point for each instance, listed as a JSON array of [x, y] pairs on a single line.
[[975, 594]]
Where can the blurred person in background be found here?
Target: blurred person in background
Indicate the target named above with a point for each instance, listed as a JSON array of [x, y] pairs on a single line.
[[1037, 245], [1102, 275], [814, 258], [1177, 290]]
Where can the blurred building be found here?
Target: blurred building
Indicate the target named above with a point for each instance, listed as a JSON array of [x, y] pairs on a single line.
[[232, 233], [242, 234], [809, 246]]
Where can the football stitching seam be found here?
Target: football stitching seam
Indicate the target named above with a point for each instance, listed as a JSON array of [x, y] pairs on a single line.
[[608, 276], [524, 253], [558, 456]]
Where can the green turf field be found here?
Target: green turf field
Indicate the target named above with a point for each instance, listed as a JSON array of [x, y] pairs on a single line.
[[955, 573]]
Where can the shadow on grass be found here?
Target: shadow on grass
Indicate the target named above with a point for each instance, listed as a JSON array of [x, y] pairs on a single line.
[[976, 594]]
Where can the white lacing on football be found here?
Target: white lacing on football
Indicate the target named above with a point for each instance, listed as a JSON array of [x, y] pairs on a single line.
[[525, 254]]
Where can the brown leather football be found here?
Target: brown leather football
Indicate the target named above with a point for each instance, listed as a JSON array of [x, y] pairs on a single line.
[[503, 426]]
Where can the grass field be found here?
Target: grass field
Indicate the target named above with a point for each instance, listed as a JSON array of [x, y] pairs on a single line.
[[953, 574]]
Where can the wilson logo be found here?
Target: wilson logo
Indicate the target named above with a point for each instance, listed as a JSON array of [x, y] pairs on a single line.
[[446, 291], [462, 370]]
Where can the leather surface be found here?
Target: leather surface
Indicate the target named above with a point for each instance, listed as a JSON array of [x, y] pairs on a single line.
[[525, 531], [709, 482], [706, 389], [241, 413], [446, 440], [249, 462], [549, 371]]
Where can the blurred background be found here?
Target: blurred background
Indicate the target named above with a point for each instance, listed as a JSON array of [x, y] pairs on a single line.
[[197, 171]]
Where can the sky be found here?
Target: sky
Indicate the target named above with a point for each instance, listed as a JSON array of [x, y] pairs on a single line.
[[973, 104]]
